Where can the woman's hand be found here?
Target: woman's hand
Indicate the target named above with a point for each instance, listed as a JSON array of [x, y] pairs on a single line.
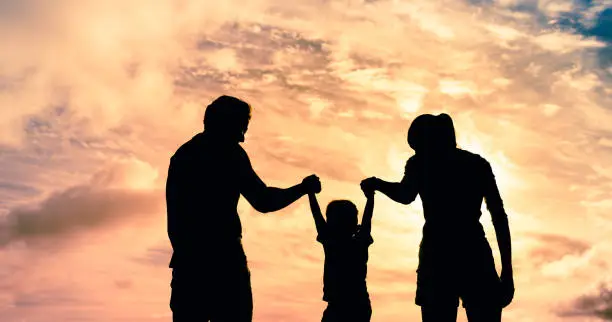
[[507, 287], [369, 185]]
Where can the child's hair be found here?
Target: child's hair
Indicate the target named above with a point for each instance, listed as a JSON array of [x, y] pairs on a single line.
[[342, 215]]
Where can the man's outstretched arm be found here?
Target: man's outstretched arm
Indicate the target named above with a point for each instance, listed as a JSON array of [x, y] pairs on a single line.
[[268, 199]]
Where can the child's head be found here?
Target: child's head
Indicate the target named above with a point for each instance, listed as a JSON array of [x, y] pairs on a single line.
[[342, 217]]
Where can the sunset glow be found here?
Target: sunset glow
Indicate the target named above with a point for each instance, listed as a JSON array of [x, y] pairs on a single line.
[[95, 96]]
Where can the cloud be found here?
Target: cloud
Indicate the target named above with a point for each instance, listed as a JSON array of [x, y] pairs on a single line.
[[120, 191], [552, 247], [563, 43], [156, 256], [596, 304]]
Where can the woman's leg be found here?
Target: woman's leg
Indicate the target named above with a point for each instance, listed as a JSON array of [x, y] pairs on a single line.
[[328, 314], [361, 311], [353, 311], [480, 291], [439, 313]]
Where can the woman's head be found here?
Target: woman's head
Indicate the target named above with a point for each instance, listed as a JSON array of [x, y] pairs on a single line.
[[432, 133], [342, 217]]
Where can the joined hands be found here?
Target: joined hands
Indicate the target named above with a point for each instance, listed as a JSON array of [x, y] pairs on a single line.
[[311, 184], [369, 186]]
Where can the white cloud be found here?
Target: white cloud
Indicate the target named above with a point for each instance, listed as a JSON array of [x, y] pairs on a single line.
[[563, 43]]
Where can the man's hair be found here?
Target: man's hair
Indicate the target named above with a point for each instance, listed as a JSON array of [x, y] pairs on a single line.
[[225, 111], [447, 136]]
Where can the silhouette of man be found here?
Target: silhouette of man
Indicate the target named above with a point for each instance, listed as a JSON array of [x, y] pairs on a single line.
[[455, 259], [206, 176]]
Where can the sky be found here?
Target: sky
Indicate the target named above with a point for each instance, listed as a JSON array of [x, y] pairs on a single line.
[[95, 96]]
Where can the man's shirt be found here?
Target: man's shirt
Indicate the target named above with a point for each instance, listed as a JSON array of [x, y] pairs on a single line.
[[205, 180]]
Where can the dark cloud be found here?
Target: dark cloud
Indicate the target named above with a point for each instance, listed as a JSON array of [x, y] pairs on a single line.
[[552, 247], [46, 297], [109, 196], [156, 256], [78, 208], [597, 305], [124, 283]]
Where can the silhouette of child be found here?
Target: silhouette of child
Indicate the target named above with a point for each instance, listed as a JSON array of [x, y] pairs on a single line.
[[346, 256]]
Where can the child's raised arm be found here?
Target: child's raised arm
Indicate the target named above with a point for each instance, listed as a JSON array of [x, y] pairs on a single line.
[[316, 213], [366, 222]]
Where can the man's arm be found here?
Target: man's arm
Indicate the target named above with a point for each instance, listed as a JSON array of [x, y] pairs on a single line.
[[316, 213], [403, 192], [263, 198]]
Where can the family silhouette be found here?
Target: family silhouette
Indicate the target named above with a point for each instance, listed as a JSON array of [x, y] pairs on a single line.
[[210, 276]]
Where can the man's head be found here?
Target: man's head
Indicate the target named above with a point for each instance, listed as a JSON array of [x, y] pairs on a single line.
[[228, 118]]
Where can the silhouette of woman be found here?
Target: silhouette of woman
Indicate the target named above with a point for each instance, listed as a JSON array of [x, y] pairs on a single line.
[[455, 259]]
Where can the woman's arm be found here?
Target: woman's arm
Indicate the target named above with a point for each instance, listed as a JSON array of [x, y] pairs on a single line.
[[499, 218], [396, 191], [403, 192]]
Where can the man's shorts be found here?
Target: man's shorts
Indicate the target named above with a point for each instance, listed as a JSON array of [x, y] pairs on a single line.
[[215, 292]]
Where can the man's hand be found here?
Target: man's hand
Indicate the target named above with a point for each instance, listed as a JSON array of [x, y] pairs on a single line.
[[311, 184], [369, 185], [507, 288]]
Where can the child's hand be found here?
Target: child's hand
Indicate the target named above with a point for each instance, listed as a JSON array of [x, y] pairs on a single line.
[[368, 186], [312, 184], [368, 193]]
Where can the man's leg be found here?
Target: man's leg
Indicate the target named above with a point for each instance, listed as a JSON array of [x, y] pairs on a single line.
[[234, 298], [446, 313], [186, 300], [483, 314]]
